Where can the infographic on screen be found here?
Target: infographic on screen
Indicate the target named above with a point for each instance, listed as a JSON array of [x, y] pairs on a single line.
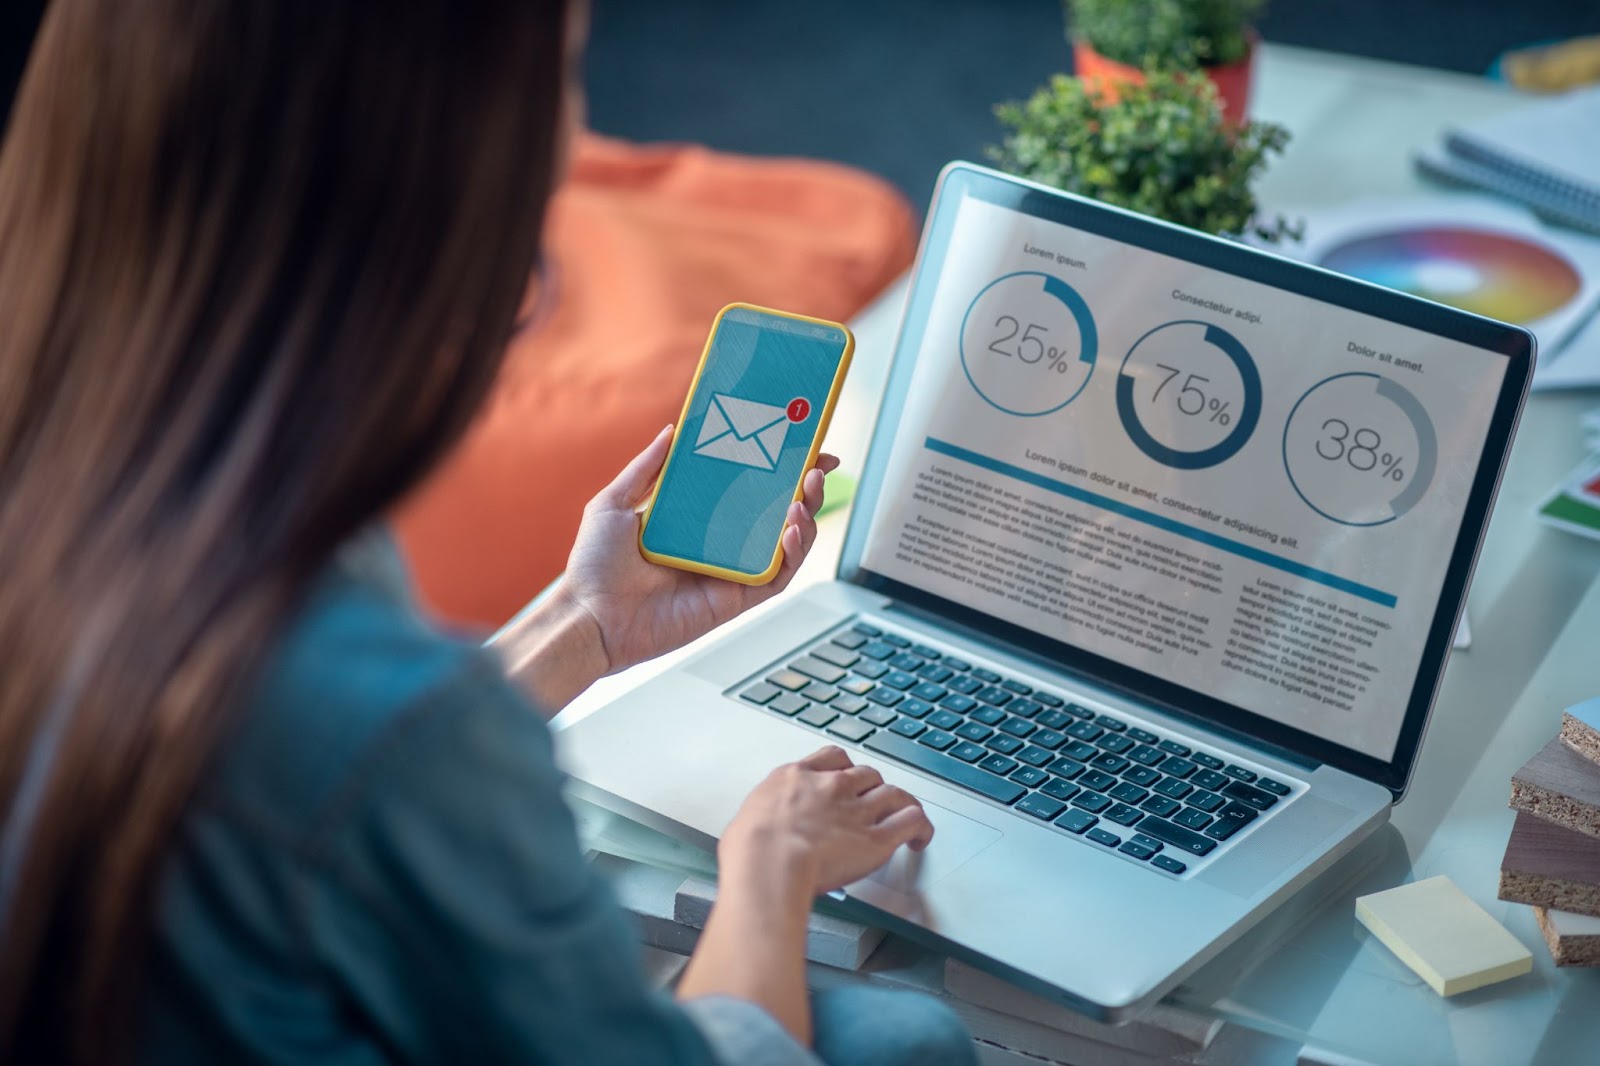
[[1238, 489]]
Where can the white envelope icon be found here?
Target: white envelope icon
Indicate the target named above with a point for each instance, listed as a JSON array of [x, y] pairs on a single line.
[[743, 431]]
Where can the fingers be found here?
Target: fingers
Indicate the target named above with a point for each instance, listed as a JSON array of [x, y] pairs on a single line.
[[831, 757], [907, 825], [858, 781], [811, 490], [630, 486], [827, 463]]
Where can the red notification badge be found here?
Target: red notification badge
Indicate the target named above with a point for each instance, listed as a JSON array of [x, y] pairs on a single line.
[[799, 410]]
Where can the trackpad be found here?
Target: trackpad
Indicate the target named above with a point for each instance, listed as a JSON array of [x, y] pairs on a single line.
[[955, 840]]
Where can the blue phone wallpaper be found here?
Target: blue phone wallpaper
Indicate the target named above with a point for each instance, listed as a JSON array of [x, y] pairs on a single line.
[[741, 448]]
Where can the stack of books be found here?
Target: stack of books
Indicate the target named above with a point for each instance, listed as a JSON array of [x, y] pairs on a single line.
[[1553, 858], [1544, 155]]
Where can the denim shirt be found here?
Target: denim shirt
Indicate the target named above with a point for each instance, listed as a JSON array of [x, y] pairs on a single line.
[[380, 869]]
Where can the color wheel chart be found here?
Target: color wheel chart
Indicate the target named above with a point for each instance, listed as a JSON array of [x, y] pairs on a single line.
[[1501, 275]]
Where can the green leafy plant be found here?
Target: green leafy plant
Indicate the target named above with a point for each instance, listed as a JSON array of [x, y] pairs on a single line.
[[1159, 148], [1176, 33]]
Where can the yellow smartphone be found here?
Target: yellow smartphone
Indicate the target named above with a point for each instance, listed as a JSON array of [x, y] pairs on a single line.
[[752, 425]]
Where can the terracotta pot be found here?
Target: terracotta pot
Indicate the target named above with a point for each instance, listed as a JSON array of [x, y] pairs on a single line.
[[1233, 81]]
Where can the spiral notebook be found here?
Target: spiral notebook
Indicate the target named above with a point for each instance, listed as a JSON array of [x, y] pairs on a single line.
[[1545, 155]]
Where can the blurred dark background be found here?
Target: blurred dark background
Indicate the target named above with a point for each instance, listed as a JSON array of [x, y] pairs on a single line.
[[901, 86]]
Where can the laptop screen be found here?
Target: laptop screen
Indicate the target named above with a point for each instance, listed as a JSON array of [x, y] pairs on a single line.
[[1178, 457]]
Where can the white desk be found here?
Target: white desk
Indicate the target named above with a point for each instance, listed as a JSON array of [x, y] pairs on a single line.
[[1309, 976]]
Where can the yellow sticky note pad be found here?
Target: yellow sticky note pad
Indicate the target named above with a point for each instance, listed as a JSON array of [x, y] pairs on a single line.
[[1450, 941]]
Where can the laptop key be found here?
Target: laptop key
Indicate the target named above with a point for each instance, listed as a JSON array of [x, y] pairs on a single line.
[[1054, 719], [867, 629], [1085, 731], [1172, 788], [850, 704], [1049, 739], [1161, 806], [1136, 849], [1098, 780], [1209, 780], [1031, 776], [1034, 755], [1145, 755], [1206, 801], [914, 707], [1168, 863], [1080, 751], [910, 727], [974, 731], [1076, 821], [1004, 744], [944, 719], [958, 703], [1142, 776], [1019, 727], [1210, 762], [870, 669], [1056, 788], [1100, 836], [998, 764], [817, 716], [1239, 773], [964, 685], [1128, 792], [1178, 766], [1172, 747], [1041, 807], [985, 675], [878, 715], [852, 729], [1111, 764], [888, 697], [930, 692], [1049, 699], [832, 653], [789, 703], [926, 651], [789, 679], [1123, 814], [1114, 742], [936, 739], [994, 694], [899, 679], [877, 649], [1116, 725], [1143, 736], [1232, 818], [1018, 687], [1025, 708], [819, 692], [1092, 802], [897, 640], [987, 715], [1147, 841], [1190, 818], [967, 751], [914, 753], [1250, 796], [850, 641], [907, 662], [960, 666], [935, 673], [760, 692], [1079, 712], [1067, 768], [1277, 788], [1176, 835]]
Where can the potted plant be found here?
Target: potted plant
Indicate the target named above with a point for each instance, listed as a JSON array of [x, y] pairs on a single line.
[[1113, 41], [1159, 147]]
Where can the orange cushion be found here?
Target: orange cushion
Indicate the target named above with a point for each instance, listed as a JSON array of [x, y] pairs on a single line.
[[644, 245]]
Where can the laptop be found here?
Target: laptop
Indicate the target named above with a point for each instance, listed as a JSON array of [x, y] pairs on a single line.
[[1146, 594]]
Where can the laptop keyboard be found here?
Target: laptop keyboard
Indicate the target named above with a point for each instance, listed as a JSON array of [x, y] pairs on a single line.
[[1150, 796]]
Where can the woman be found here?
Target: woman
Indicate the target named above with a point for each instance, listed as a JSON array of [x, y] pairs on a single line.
[[258, 262]]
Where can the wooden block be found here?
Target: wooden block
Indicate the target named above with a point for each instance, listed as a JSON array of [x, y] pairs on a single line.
[[1162, 1030], [830, 941], [1548, 866], [1580, 729], [1574, 939], [1560, 786], [1449, 941]]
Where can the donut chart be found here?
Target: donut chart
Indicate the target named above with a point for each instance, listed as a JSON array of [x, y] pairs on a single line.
[[1189, 394], [1028, 343]]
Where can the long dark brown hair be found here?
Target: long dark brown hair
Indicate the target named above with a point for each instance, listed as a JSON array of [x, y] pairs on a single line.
[[258, 262]]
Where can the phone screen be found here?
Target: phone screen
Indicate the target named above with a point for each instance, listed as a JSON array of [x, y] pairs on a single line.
[[755, 410]]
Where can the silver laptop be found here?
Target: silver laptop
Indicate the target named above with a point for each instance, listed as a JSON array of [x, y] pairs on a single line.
[[1150, 580]]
